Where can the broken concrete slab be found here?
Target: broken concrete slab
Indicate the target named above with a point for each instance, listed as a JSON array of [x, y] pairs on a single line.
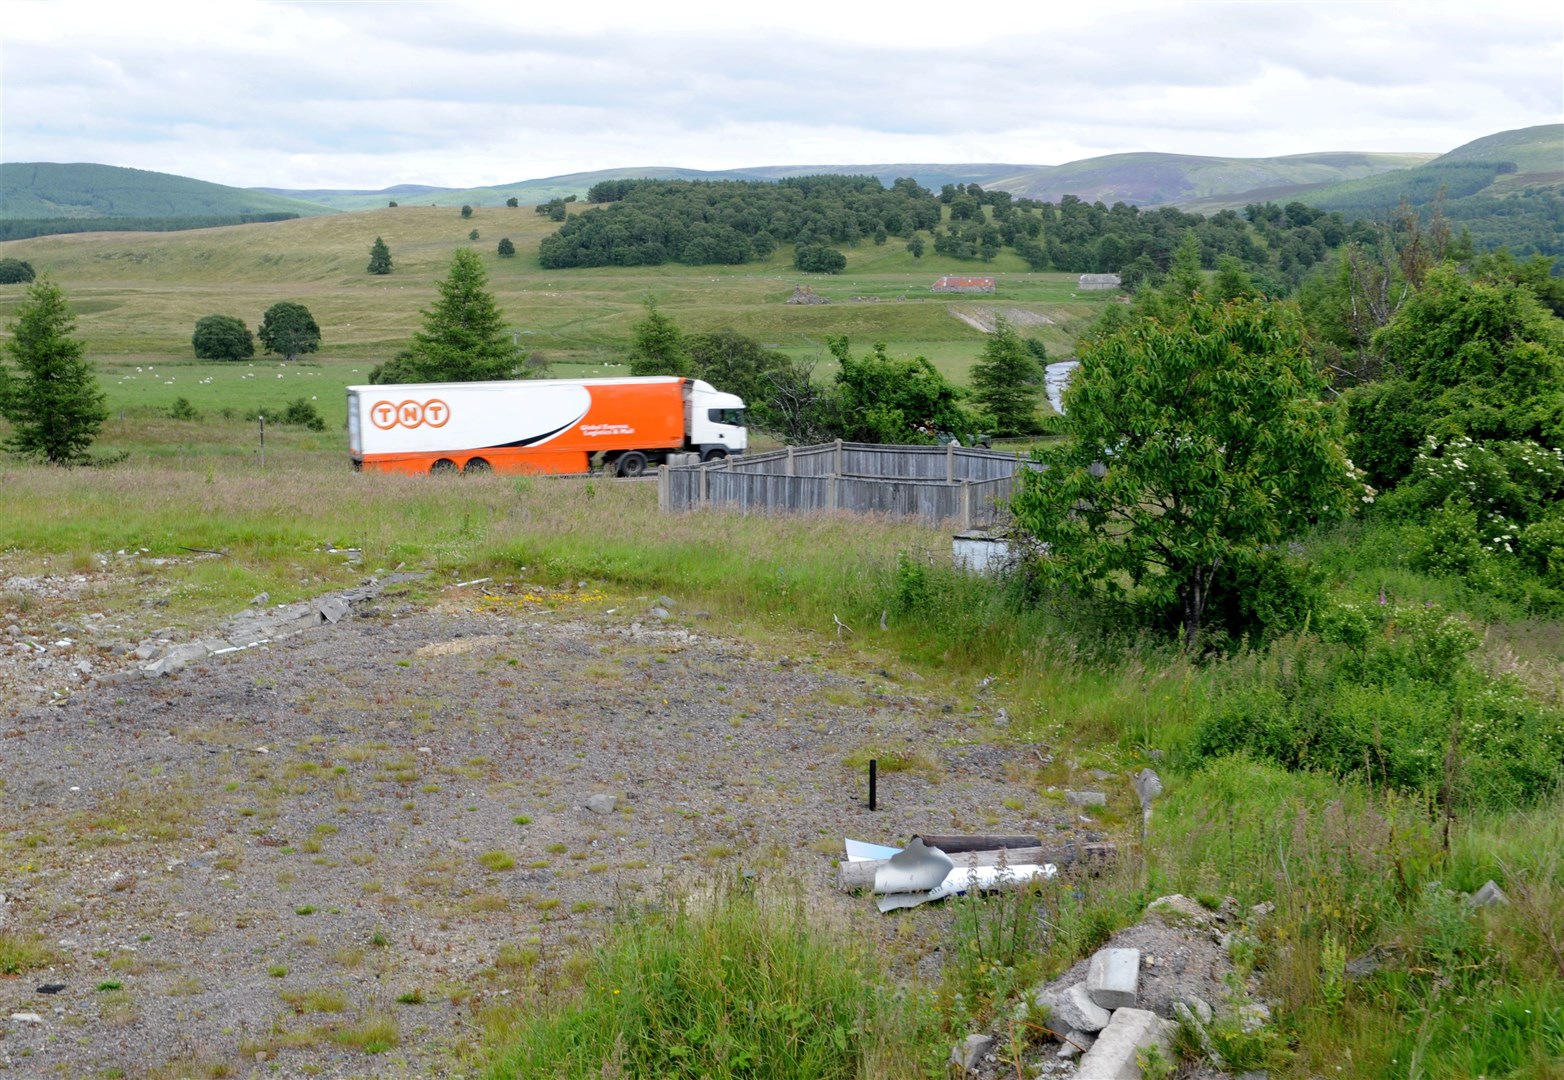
[[1086, 798], [1490, 895], [332, 609], [968, 1054], [1113, 978], [1131, 1032], [1074, 1044], [1071, 1010]]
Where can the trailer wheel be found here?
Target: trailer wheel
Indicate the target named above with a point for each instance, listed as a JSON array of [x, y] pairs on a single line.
[[632, 463], [444, 465], [716, 453], [477, 465]]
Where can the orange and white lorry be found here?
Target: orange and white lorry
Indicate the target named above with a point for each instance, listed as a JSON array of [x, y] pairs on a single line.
[[541, 425]]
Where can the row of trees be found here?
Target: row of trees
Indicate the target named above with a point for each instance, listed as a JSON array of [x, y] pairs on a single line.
[[648, 222], [651, 222], [287, 329], [872, 398]]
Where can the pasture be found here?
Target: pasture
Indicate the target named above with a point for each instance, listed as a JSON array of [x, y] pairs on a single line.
[[137, 297]]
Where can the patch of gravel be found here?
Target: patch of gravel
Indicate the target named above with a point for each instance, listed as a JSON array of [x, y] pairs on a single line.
[[206, 851]]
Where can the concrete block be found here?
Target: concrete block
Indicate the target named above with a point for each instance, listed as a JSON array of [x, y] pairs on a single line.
[[1489, 895], [1072, 1010], [1075, 1044], [332, 609], [1113, 978], [1086, 798], [968, 1055], [1112, 1057]]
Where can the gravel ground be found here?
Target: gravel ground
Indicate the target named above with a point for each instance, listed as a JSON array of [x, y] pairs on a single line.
[[327, 855]]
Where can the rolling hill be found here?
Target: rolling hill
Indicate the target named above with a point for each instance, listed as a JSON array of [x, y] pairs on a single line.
[[35, 190], [1519, 162], [1143, 179]]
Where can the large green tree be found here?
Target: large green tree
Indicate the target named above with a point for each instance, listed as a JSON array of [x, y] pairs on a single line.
[[1006, 381], [885, 399], [464, 337], [657, 346], [1472, 358], [1196, 444], [16, 272], [289, 330], [222, 337], [379, 257], [52, 401]]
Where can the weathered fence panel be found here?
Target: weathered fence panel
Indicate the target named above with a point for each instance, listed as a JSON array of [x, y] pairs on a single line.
[[968, 487]]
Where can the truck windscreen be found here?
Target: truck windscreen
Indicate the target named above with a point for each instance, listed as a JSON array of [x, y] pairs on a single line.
[[726, 416]]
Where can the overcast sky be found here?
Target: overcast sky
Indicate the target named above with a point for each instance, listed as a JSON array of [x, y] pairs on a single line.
[[366, 95]]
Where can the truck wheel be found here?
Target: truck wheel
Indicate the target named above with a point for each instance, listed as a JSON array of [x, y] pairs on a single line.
[[632, 463], [716, 453], [444, 465], [477, 465]]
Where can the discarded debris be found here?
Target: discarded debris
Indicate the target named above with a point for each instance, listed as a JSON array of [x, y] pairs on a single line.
[[920, 874]]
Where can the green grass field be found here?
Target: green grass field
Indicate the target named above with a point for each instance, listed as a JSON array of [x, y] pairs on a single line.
[[138, 295]]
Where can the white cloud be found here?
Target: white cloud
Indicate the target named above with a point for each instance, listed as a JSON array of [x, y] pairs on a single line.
[[368, 95]]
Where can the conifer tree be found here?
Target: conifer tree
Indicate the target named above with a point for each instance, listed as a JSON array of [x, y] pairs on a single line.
[[379, 257], [1006, 381], [53, 401], [464, 338]]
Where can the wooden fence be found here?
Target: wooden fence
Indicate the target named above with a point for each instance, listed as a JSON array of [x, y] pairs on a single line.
[[966, 487]]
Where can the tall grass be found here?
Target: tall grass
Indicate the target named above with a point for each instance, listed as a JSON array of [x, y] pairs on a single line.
[[1435, 988], [738, 984]]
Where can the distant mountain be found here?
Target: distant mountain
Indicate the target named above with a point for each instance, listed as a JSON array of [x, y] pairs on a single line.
[[1490, 166], [1534, 150], [1144, 179], [1523, 160], [38, 190], [1162, 179]]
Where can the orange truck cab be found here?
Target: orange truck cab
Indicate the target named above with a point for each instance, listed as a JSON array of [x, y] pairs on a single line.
[[542, 425]]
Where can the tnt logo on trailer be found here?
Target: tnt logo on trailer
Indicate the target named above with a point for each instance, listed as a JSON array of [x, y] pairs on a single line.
[[409, 414]]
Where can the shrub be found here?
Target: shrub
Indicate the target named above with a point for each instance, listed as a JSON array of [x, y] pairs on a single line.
[[1403, 707], [222, 337], [819, 259], [466, 211], [16, 272], [506, 249], [183, 410], [300, 412]]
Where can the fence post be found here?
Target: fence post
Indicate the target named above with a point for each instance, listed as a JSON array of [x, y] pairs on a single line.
[[966, 505], [705, 495], [830, 490], [950, 462], [662, 488], [837, 468], [791, 468]]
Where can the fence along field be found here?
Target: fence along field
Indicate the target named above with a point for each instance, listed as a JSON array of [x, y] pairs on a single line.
[[935, 484]]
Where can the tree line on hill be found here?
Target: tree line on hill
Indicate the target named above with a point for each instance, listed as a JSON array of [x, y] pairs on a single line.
[[24, 228], [651, 222]]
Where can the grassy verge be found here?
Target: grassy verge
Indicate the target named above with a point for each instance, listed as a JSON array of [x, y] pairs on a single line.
[[738, 984]]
